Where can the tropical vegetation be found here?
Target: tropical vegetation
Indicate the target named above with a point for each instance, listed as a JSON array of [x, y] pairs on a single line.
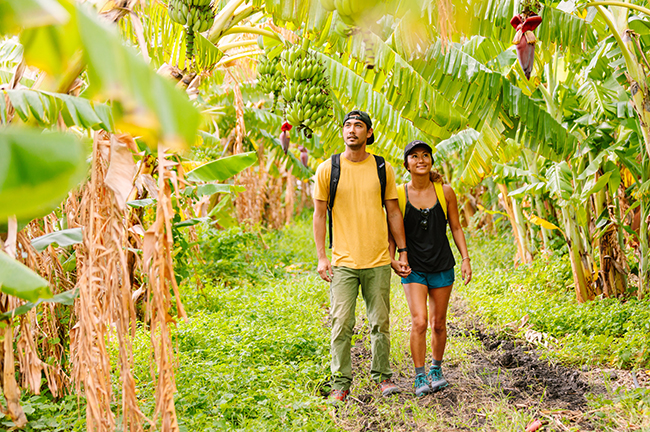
[[133, 132]]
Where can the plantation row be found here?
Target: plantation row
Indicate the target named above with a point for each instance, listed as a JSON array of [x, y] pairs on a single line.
[[126, 129]]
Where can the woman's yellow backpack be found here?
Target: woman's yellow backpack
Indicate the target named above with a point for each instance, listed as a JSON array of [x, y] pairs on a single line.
[[401, 197]]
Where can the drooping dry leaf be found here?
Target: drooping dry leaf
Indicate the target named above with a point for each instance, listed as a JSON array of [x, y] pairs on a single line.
[[161, 279], [104, 306], [149, 184], [149, 244], [119, 176], [9, 385], [137, 229]]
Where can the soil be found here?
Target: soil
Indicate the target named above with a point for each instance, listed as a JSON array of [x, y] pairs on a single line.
[[502, 370]]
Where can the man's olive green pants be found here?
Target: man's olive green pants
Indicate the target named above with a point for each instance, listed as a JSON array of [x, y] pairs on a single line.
[[344, 289]]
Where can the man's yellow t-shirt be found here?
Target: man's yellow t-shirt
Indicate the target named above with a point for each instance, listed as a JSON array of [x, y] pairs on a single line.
[[359, 223]]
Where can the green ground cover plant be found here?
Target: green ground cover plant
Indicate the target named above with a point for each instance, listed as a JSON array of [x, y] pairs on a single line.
[[45, 413], [253, 354], [603, 333], [606, 331]]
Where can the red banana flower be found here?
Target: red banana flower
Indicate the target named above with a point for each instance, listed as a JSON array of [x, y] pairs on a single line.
[[286, 127], [284, 136], [304, 155], [525, 40]]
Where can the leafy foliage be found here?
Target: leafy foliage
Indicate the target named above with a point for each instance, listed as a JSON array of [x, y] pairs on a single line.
[[61, 238], [18, 280], [223, 168], [42, 167], [141, 97], [44, 413]]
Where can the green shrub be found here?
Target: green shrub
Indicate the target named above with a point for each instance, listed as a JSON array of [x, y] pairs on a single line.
[[237, 253]]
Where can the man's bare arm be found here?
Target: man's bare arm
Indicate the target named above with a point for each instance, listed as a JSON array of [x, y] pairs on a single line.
[[320, 230], [396, 226]]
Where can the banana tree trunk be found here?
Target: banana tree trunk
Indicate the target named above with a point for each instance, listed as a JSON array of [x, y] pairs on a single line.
[[10, 388], [613, 262], [523, 232], [644, 251], [531, 160], [539, 208], [576, 252], [640, 101], [521, 250], [289, 197]]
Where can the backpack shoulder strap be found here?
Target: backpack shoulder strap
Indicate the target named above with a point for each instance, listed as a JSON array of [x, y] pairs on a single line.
[[401, 198], [381, 173], [441, 197], [335, 174]]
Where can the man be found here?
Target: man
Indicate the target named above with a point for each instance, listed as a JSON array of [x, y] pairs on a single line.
[[360, 252]]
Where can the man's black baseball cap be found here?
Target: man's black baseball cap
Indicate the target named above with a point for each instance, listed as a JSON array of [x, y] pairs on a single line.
[[417, 143], [364, 117]]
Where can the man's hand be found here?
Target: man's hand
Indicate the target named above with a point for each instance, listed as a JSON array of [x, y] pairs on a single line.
[[401, 265], [466, 271], [325, 269], [400, 269]]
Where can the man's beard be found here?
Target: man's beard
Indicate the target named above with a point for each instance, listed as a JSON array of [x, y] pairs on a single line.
[[356, 145]]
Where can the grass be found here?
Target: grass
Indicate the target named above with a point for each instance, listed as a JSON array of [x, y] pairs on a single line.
[[254, 352], [601, 333], [605, 331]]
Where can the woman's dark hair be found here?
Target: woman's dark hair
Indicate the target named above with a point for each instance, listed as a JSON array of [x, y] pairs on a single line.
[[436, 177]]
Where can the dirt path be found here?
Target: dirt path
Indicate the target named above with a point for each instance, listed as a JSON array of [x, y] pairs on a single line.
[[502, 386]]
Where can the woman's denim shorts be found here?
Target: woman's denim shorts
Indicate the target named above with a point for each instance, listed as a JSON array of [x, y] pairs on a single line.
[[431, 280]]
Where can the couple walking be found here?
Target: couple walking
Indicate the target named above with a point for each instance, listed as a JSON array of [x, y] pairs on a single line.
[[353, 187]]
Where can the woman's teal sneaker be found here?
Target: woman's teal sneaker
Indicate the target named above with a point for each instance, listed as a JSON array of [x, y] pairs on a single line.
[[421, 385], [438, 381]]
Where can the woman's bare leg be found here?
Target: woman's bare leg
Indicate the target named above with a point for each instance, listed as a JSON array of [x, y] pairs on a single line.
[[438, 303], [416, 297]]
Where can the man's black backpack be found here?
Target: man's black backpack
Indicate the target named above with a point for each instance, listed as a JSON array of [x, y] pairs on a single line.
[[334, 182]]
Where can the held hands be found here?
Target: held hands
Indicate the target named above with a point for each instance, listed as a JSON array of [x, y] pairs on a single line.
[[325, 269], [466, 271], [401, 265]]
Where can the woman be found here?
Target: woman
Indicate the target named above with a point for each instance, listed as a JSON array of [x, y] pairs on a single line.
[[427, 206]]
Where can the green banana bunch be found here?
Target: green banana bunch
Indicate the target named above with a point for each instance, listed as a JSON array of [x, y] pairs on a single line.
[[356, 12], [195, 16], [328, 5], [270, 78], [306, 89]]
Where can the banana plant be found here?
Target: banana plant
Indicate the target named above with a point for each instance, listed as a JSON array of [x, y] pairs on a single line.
[[451, 84], [601, 100], [160, 38], [615, 14], [471, 91]]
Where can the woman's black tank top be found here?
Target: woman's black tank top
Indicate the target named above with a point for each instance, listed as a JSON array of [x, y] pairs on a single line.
[[426, 238]]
